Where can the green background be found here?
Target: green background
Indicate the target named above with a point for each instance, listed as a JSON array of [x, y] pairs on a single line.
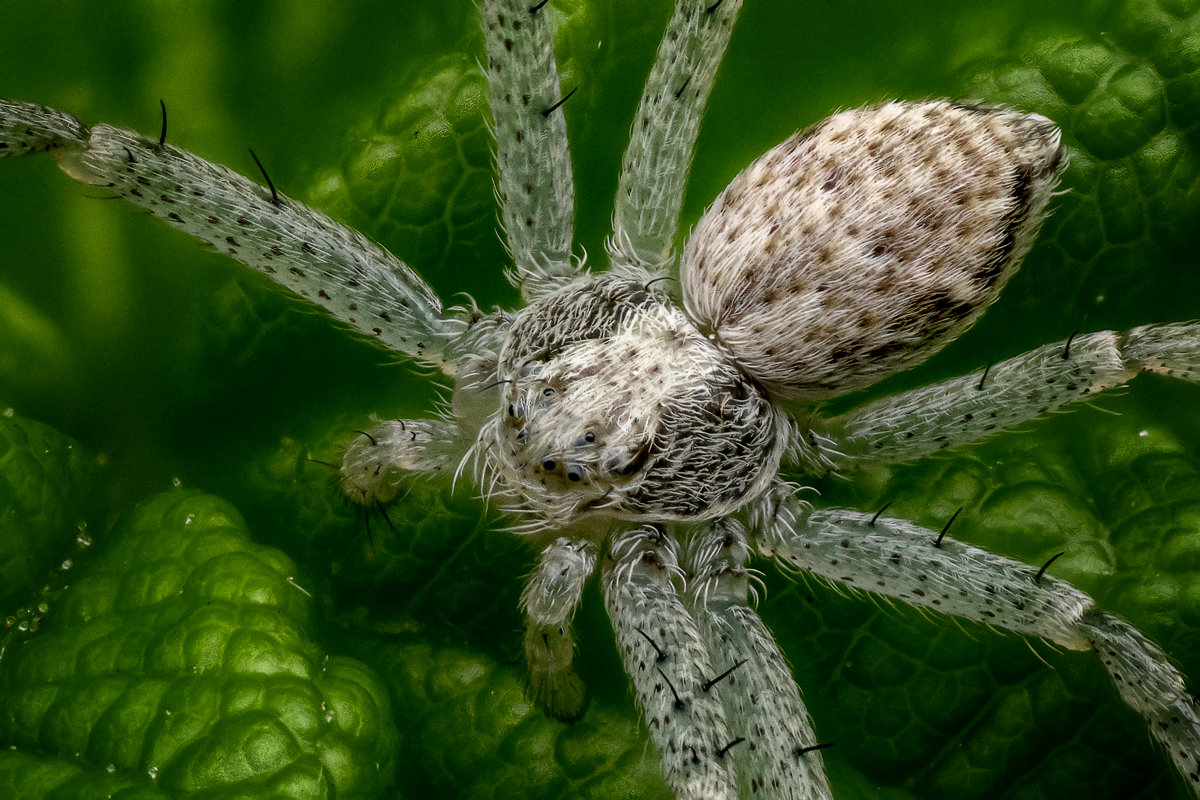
[[171, 367]]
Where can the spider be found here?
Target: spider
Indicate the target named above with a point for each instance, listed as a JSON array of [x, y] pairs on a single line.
[[639, 423]]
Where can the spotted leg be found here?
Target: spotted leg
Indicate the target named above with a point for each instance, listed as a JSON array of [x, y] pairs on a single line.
[[534, 183], [549, 600], [669, 665], [776, 750], [357, 281], [659, 157], [900, 559], [916, 423]]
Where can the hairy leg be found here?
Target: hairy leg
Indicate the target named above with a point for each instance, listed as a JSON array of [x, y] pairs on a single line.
[[378, 461], [900, 559], [549, 600], [779, 757], [534, 183], [655, 169], [923, 421], [669, 665], [354, 279]]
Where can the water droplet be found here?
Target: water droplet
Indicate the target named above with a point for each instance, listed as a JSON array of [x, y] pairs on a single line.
[[8, 412], [110, 768], [43, 608], [67, 564], [189, 519], [153, 773], [177, 482]]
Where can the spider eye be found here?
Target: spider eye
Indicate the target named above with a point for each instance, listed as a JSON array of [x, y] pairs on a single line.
[[547, 392], [549, 464], [512, 410], [574, 474], [589, 437]]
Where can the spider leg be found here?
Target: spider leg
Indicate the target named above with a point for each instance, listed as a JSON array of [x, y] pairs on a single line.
[[356, 280], [534, 182], [669, 665], [762, 701], [655, 169], [965, 409], [550, 599], [378, 460], [900, 559]]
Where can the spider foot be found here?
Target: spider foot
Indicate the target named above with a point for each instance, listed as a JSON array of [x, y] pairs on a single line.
[[553, 683], [1150, 685]]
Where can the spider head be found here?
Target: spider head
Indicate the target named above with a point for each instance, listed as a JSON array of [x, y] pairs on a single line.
[[625, 411], [574, 426]]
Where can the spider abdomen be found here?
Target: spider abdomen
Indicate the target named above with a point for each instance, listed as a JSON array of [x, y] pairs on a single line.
[[614, 404], [862, 245]]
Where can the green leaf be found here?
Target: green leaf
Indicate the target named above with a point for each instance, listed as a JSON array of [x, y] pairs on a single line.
[[45, 482], [1121, 93], [181, 661], [475, 733]]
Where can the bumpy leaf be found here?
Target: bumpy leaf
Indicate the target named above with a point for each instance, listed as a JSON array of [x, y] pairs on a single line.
[[475, 733], [45, 480], [1124, 95], [181, 661], [422, 149]]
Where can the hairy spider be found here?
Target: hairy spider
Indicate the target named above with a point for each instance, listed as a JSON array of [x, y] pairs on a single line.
[[642, 423]]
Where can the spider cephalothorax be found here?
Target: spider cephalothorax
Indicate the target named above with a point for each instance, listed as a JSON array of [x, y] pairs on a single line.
[[616, 405], [655, 432]]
